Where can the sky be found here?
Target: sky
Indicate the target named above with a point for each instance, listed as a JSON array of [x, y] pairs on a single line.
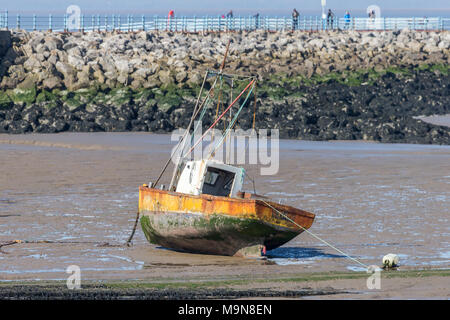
[[244, 7]]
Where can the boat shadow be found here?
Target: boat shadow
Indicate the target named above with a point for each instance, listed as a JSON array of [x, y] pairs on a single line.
[[300, 253]]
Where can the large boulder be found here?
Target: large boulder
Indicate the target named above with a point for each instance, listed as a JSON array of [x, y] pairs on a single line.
[[5, 42]]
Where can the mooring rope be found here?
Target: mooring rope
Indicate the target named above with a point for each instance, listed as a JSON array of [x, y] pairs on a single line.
[[98, 243], [133, 231], [317, 237]]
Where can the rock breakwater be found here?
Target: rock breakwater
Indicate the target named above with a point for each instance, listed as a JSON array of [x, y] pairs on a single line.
[[320, 86]]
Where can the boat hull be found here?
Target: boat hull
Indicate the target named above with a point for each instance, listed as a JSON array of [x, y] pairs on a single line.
[[217, 225]]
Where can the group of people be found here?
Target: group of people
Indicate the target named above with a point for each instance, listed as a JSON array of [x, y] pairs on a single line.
[[295, 18], [330, 19]]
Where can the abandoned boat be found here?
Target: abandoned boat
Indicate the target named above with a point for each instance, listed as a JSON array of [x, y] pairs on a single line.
[[208, 213], [205, 209]]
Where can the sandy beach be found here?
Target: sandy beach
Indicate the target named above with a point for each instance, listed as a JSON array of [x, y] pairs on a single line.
[[370, 199]]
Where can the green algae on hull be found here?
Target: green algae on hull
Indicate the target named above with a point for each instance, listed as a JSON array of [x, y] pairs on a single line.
[[212, 234]]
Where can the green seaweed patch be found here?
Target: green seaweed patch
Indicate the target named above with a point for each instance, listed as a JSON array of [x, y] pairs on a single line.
[[79, 98], [45, 96], [5, 101], [442, 68], [398, 71], [86, 95], [27, 96], [51, 104], [275, 92], [279, 85], [150, 233], [142, 95], [119, 96], [100, 98], [64, 95], [169, 96]]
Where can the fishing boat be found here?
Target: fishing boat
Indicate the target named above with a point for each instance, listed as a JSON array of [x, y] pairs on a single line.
[[205, 208]]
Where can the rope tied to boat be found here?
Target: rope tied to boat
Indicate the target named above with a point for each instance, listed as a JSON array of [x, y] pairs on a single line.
[[98, 243], [133, 231], [317, 237]]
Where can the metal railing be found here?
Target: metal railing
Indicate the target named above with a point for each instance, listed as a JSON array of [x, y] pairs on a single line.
[[60, 23]]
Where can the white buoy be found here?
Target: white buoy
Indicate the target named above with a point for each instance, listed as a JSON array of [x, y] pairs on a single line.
[[390, 260]]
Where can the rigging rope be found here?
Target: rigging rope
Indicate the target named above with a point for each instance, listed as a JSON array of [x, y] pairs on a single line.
[[220, 117], [187, 130], [233, 122], [315, 236]]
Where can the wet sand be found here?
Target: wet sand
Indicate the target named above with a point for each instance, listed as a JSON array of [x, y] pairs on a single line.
[[440, 120], [370, 199]]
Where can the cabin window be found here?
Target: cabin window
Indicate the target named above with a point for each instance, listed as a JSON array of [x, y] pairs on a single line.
[[211, 178], [218, 182]]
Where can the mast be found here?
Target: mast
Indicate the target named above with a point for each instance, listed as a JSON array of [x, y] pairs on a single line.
[[194, 115]]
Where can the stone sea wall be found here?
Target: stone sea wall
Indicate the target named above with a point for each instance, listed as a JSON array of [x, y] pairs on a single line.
[[317, 86]]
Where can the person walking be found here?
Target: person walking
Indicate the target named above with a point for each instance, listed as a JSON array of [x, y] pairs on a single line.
[[230, 19], [256, 16], [169, 17], [295, 15], [330, 19], [347, 19]]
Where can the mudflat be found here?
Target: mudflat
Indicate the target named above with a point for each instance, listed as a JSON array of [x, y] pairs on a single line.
[[79, 193]]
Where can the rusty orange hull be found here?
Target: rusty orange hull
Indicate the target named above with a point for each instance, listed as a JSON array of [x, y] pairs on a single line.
[[217, 225]]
